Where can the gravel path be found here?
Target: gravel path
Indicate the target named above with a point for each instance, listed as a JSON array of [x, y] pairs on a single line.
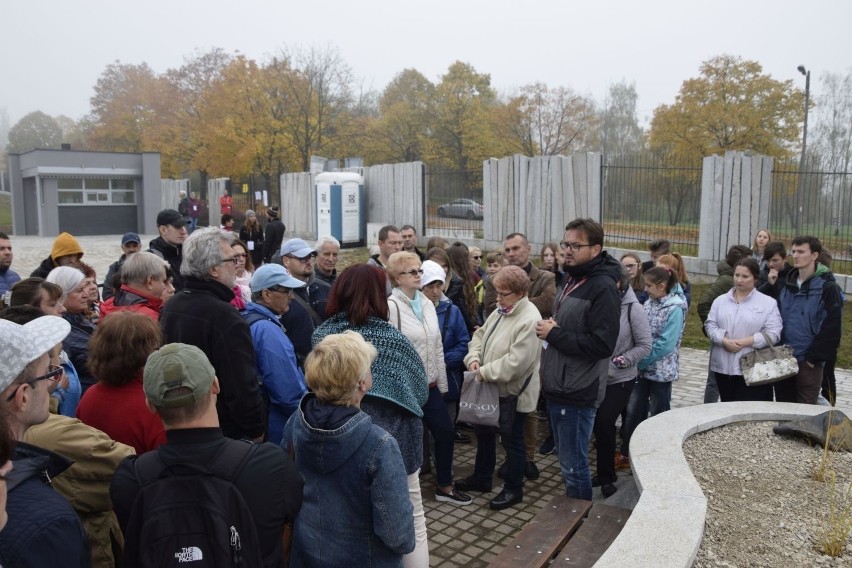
[[763, 507]]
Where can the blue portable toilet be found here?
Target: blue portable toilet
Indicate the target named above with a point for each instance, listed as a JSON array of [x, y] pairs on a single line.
[[340, 207]]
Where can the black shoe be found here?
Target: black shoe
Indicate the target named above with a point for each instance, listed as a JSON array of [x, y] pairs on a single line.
[[506, 499], [608, 489], [531, 471], [596, 482], [462, 438], [501, 471], [456, 497], [464, 426], [548, 447], [469, 484]]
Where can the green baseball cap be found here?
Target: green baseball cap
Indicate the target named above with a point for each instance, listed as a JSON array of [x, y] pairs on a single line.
[[174, 366]]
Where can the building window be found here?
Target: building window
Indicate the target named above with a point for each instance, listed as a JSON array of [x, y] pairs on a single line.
[[96, 191]]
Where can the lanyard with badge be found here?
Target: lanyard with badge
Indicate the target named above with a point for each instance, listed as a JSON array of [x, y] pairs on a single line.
[[566, 291]]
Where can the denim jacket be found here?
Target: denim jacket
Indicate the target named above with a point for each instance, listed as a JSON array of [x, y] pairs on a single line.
[[356, 510]]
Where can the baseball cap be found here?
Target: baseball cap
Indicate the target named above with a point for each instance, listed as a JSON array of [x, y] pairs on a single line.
[[170, 217], [20, 345], [271, 275], [130, 238], [174, 366], [297, 248], [432, 271]]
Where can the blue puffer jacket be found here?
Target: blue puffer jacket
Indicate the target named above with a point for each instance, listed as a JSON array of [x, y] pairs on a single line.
[[455, 336], [811, 315], [355, 489], [43, 529], [666, 317]]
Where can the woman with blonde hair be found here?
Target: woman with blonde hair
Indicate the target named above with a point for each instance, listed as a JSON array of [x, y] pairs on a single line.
[[415, 317], [355, 480], [761, 239]]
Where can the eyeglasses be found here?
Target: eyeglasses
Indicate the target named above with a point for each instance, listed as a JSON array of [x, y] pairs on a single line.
[[282, 289], [54, 374], [239, 256], [233, 259], [413, 272], [304, 259], [504, 294], [476, 257], [573, 246]]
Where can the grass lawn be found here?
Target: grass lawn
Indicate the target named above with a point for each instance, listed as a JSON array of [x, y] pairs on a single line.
[[5, 213]]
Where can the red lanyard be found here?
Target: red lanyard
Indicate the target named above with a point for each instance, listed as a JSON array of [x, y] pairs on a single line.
[[567, 291]]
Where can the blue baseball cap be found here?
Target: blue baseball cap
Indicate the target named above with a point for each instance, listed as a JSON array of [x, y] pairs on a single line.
[[272, 275], [297, 248], [130, 238]]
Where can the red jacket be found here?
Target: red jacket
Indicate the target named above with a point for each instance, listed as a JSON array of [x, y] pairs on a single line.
[[133, 300]]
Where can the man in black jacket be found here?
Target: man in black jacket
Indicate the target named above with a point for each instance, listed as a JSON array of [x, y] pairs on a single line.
[[580, 339], [169, 245], [181, 387], [274, 235], [201, 315]]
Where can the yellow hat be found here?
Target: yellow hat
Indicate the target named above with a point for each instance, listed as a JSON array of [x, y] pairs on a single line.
[[65, 245]]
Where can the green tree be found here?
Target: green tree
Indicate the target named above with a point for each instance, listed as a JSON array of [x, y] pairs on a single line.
[[731, 105], [466, 115], [620, 133], [35, 130]]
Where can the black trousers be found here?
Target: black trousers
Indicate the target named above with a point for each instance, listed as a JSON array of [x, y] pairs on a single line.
[[610, 409], [734, 387]]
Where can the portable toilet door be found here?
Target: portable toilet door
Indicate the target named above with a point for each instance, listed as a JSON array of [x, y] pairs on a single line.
[[340, 211]]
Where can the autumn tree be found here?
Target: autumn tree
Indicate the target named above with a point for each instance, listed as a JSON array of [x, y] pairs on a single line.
[[125, 109], [548, 121], [406, 114], [731, 105], [317, 87], [35, 130]]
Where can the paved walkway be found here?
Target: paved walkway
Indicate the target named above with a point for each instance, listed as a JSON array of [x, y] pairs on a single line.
[[468, 536]]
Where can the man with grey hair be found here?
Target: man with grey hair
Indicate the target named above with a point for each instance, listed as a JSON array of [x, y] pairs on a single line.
[[328, 250], [201, 315], [144, 280]]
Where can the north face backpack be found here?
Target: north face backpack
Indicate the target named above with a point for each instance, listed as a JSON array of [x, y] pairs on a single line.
[[190, 515]]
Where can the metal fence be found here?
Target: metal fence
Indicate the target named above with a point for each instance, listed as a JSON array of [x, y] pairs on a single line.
[[244, 192], [454, 201], [814, 200], [648, 197]]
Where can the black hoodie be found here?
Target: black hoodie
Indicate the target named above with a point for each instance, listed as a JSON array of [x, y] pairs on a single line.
[[587, 309]]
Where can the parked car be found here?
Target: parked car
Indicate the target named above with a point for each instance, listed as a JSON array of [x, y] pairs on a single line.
[[466, 208]]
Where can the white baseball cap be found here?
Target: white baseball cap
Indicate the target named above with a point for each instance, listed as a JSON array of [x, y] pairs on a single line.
[[20, 345]]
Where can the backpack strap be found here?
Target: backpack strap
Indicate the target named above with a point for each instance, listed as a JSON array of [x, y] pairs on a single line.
[[226, 464]]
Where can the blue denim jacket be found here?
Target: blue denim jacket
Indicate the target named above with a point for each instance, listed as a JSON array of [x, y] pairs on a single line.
[[356, 510]]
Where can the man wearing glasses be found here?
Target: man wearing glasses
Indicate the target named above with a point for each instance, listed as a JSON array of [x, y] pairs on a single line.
[[579, 340], [281, 380], [43, 529], [201, 315]]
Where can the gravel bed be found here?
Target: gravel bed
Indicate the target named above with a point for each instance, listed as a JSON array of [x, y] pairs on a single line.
[[763, 507]]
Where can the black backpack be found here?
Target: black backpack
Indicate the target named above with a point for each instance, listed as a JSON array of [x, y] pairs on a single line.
[[190, 515]]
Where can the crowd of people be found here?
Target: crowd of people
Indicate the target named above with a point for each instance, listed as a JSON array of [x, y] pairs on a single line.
[[232, 396]]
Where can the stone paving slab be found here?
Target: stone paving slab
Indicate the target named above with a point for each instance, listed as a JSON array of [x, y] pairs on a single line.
[[469, 536]]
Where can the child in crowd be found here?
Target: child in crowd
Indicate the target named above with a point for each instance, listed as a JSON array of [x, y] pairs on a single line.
[[674, 261], [227, 222], [666, 310]]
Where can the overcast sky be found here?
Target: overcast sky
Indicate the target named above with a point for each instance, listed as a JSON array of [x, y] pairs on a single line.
[[53, 51]]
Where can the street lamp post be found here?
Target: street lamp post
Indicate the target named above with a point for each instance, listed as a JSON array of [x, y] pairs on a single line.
[[807, 74]]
